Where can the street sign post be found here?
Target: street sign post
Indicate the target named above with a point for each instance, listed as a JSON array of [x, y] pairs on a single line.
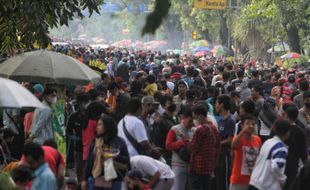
[[210, 4]]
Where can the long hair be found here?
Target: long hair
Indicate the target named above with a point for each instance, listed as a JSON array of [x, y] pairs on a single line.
[[110, 129]]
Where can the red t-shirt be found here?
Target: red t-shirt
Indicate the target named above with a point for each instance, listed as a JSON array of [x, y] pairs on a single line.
[[87, 136], [244, 159]]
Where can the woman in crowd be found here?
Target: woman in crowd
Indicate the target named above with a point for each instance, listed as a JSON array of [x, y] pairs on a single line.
[[106, 145]]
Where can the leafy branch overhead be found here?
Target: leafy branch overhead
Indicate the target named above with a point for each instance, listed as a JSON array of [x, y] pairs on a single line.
[[23, 22], [155, 18]]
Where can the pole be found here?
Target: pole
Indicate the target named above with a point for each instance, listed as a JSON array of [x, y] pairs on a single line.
[[236, 45], [229, 25]]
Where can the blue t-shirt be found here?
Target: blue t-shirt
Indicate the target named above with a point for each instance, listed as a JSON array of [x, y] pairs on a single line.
[[227, 129]]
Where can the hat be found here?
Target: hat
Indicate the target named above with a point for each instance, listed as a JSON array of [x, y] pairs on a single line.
[[136, 174], [38, 88], [175, 75], [149, 100]]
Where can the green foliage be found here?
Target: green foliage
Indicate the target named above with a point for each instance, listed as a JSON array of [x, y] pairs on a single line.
[[24, 22]]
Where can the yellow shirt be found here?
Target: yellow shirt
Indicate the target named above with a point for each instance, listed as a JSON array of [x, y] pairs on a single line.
[[150, 89]]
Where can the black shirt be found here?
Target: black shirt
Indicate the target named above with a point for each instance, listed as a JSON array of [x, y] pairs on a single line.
[[296, 150], [76, 123]]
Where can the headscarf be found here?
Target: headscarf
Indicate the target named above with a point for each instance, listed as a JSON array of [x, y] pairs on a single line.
[[99, 161]]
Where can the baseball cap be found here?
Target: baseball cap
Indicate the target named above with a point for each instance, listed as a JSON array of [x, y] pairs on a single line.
[[137, 174], [149, 100]]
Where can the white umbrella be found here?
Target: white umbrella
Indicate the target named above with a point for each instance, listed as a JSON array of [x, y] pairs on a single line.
[[47, 67], [14, 95]]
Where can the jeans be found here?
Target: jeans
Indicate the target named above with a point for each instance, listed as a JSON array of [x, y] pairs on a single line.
[[200, 182], [181, 178], [116, 185], [78, 162]]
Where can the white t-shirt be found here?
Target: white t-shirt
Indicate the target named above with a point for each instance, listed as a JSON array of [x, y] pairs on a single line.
[[136, 129], [149, 166]]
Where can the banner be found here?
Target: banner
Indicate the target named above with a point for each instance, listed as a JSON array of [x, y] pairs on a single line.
[[59, 120], [210, 4]]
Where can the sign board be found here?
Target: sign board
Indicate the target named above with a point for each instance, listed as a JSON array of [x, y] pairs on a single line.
[[210, 4]]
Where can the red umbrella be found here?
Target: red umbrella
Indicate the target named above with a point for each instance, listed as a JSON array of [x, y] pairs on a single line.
[[201, 53], [290, 55]]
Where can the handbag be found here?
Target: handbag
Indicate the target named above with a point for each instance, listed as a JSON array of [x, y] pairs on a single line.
[[101, 182]]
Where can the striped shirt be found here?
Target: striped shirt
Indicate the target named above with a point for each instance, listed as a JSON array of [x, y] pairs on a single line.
[[268, 172]]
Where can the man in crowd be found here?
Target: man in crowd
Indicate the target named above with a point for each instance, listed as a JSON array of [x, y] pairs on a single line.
[[42, 125], [226, 125], [297, 149], [176, 140], [44, 177], [160, 176], [132, 130], [204, 149], [268, 172]]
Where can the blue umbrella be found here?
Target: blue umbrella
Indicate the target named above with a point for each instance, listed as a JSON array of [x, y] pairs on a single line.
[[202, 48]]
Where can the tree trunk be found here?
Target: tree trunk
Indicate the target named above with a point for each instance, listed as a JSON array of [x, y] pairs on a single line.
[[223, 30], [293, 39]]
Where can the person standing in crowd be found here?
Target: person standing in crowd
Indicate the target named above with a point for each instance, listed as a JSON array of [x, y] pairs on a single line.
[[297, 144], [257, 97], [93, 111], [160, 176], [204, 150], [149, 107], [42, 124], [161, 128], [245, 146], [181, 89], [132, 130], [151, 86], [76, 123], [226, 125], [44, 177], [304, 112], [303, 88], [246, 107], [176, 142], [255, 80], [102, 146], [268, 172]]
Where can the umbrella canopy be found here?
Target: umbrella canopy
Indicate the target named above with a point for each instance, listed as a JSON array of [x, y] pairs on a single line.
[[199, 43], [47, 67], [219, 51], [202, 48], [290, 55], [201, 53], [14, 95], [279, 47]]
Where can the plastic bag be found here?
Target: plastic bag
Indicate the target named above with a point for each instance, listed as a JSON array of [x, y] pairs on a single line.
[[109, 170]]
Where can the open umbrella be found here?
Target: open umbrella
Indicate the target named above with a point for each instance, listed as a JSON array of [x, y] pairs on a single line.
[[47, 67], [14, 95], [219, 51], [199, 43], [290, 55], [202, 48], [201, 53]]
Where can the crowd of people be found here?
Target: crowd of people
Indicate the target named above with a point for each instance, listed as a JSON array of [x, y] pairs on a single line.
[[165, 122]]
